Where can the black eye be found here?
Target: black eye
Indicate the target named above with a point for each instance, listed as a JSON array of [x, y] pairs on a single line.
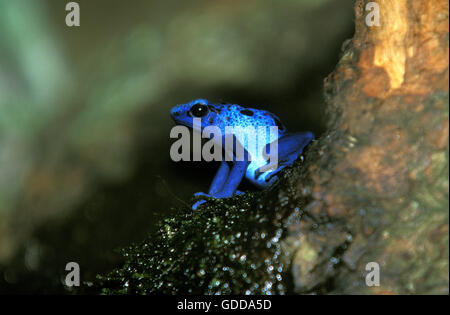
[[247, 112], [199, 110]]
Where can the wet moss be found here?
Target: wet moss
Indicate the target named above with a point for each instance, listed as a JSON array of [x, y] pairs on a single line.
[[227, 246]]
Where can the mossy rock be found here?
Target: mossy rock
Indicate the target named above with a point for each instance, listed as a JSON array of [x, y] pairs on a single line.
[[227, 246]]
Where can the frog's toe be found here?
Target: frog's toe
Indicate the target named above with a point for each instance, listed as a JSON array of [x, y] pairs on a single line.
[[197, 204], [238, 192], [272, 179], [201, 194]]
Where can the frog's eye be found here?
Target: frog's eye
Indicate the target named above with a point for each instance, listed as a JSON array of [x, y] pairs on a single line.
[[199, 110], [247, 112]]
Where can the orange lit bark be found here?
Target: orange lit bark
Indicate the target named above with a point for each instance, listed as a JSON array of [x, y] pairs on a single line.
[[376, 189]]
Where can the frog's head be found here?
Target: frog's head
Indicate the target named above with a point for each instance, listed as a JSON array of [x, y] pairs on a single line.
[[222, 115], [200, 108]]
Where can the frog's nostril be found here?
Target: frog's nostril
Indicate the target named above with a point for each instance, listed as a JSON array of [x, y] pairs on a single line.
[[174, 113]]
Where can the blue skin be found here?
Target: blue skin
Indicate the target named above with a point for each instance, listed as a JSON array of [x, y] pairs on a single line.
[[231, 173]]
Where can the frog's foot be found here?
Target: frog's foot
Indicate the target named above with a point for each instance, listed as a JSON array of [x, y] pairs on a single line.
[[202, 194], [197, 204], [201, 201], [273, 177], [218, 195]]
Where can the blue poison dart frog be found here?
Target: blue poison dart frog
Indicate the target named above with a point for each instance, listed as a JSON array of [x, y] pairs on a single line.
[[231, 173]]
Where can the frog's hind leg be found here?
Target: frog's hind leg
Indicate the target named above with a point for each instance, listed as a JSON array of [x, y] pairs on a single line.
[[289, 148]]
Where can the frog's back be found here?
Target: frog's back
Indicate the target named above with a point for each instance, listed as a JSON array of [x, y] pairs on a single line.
[[233, 115]]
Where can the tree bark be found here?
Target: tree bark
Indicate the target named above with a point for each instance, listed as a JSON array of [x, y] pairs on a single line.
[[377, 183]]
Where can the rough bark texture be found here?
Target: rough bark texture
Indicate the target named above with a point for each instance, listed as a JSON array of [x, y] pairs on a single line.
[[378, 181]]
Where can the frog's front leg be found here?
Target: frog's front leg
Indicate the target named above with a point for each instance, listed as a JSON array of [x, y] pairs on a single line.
[[225, 182], [234, 179], [216, 185], [218, 181]]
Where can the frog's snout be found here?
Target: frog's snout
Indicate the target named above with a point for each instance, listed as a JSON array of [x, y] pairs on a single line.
[[174, 112], [177, 115]]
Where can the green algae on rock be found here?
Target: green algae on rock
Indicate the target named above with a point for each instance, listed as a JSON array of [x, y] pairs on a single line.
[[227, 246]]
